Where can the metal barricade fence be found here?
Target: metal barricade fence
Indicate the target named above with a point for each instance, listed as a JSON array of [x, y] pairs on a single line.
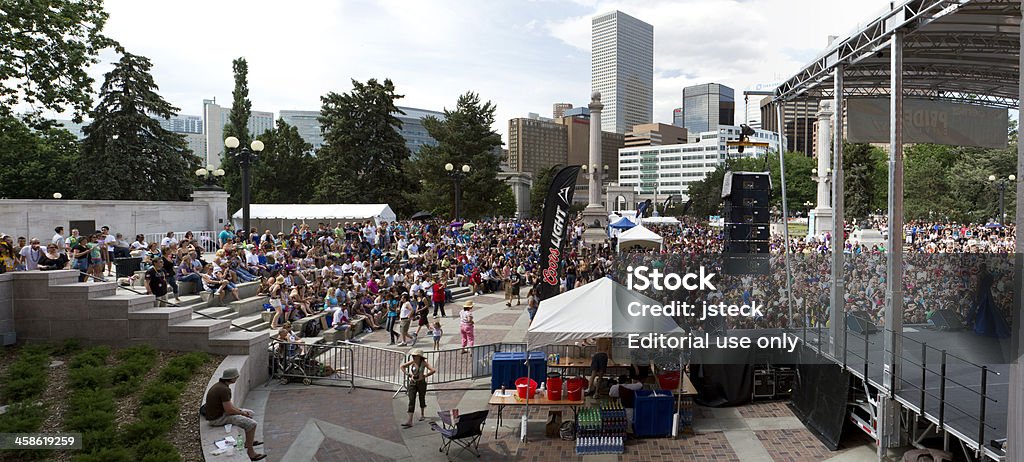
[[320, 363], [207, 239]]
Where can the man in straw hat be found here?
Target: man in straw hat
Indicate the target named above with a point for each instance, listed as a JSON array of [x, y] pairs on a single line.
[[416, 370], [220, 411]]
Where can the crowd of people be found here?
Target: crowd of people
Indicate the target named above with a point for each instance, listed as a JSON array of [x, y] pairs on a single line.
[[397, 274]]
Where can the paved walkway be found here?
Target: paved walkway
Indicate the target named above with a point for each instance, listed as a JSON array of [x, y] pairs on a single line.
[[325, 423]]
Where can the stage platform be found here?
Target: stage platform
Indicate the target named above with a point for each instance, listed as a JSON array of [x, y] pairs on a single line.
[[960, 411]]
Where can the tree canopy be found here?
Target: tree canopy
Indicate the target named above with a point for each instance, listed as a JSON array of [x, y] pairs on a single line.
[[238, 127], [363, 159], [47, 48], [282, 176], [127, 155], [464, 137]]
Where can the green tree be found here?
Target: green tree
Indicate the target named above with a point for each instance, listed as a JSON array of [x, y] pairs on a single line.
[[977, 198], [238, 127], [286, 165], [35, 164], [363, 159], [860, 167], [46, 49], [927, 171], [464, 137], [129, 156], [539, 190], [706, 194]]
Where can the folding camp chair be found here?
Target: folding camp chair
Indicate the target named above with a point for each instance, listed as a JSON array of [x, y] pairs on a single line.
[[466, 432]]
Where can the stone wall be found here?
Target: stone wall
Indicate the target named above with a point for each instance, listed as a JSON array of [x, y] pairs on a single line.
[[37, 217], [7, 336]]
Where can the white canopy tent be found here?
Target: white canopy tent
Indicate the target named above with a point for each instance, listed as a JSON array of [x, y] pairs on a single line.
[[660, 220], [641, 236], [278, 216], [597, 309]]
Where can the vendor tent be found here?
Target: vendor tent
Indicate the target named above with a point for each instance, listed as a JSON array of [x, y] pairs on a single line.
[[639, 235], [660, 221], [279, 217], [623, 223], [597, 309]]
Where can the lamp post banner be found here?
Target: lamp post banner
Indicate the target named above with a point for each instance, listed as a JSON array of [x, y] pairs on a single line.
[[554, 229]]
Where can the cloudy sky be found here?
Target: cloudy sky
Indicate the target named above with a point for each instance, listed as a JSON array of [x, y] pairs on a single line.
[[522, 55]]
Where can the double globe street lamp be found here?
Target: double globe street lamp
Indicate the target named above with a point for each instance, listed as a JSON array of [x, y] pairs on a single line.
[[457, 176], [209, 175], [1001, 184], [246, 156]]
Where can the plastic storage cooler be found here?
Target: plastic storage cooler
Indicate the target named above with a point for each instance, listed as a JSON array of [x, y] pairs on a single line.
[[652, 415], [507, 367]]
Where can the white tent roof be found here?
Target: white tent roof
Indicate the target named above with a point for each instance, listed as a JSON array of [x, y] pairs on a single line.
[[598, 309], [379, 212], [661, 220], [638, 235]]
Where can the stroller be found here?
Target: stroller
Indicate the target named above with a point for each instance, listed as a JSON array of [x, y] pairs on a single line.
[[296, 361]]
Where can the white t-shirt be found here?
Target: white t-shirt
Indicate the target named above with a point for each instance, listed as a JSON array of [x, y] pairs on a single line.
[[406, 310], [109, 241], [167, 241], [58, 241], [465, 316], [31, 257], [139, 245]]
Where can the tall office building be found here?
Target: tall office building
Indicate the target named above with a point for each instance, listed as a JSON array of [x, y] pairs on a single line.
[[535, 145], [308, 125], [622, 69], [677, 117], [655, 172], [707, 106], [415, 134], [413, 131], [655, 135], [558, 109], [799, 123], [215, 118], [181, 123]]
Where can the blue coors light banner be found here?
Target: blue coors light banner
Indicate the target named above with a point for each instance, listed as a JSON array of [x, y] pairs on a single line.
[[554, 229]]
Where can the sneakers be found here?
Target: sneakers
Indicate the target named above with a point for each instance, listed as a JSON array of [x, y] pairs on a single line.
[[403, 344]]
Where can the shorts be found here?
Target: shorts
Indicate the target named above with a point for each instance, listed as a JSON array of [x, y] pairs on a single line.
[[404, 325], [236, 420], [599, 363], [275, 302]]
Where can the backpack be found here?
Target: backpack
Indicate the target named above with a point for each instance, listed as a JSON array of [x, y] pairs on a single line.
[[311, 329]]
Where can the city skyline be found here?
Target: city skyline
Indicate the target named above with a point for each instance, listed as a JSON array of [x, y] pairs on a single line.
[[523, 56]]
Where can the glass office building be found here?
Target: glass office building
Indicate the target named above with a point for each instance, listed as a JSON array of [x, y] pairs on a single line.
[[708, 106]]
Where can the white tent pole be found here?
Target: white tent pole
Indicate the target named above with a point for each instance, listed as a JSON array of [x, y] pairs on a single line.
[[526, 412]]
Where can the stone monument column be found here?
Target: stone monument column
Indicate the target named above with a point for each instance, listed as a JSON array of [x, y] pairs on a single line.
[[216, 201], [822, 214], [594, 216]]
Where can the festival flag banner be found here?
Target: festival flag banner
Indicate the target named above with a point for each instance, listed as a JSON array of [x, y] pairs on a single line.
[[554, 229]]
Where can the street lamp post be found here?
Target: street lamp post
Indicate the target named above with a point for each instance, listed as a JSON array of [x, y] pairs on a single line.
[[209, 175], [246, 155], [1001, 184], [457, 176]]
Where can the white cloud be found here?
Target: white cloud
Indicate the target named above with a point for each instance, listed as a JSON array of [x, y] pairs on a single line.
[[523, 56]]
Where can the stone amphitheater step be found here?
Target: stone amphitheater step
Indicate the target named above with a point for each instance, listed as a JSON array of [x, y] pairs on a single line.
[[245, 290], [207, 327], [250, 305], [251, 322], [238, 341], [218, 312]]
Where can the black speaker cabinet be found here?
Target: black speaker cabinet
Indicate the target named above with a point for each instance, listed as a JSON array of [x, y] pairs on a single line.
[[746, 232], [746, 215], [946, 320], [764, 383], [859, 322], [745, 247], [745, 181], [746, 264]]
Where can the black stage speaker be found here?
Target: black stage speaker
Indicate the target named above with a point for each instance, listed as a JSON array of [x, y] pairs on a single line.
[[859, 322], [946, 320], [745, 197]]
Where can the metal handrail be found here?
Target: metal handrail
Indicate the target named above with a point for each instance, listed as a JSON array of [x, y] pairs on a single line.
[[168, 303]]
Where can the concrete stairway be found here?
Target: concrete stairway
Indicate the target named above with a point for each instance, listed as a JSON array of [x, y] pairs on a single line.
[[53, 306]]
